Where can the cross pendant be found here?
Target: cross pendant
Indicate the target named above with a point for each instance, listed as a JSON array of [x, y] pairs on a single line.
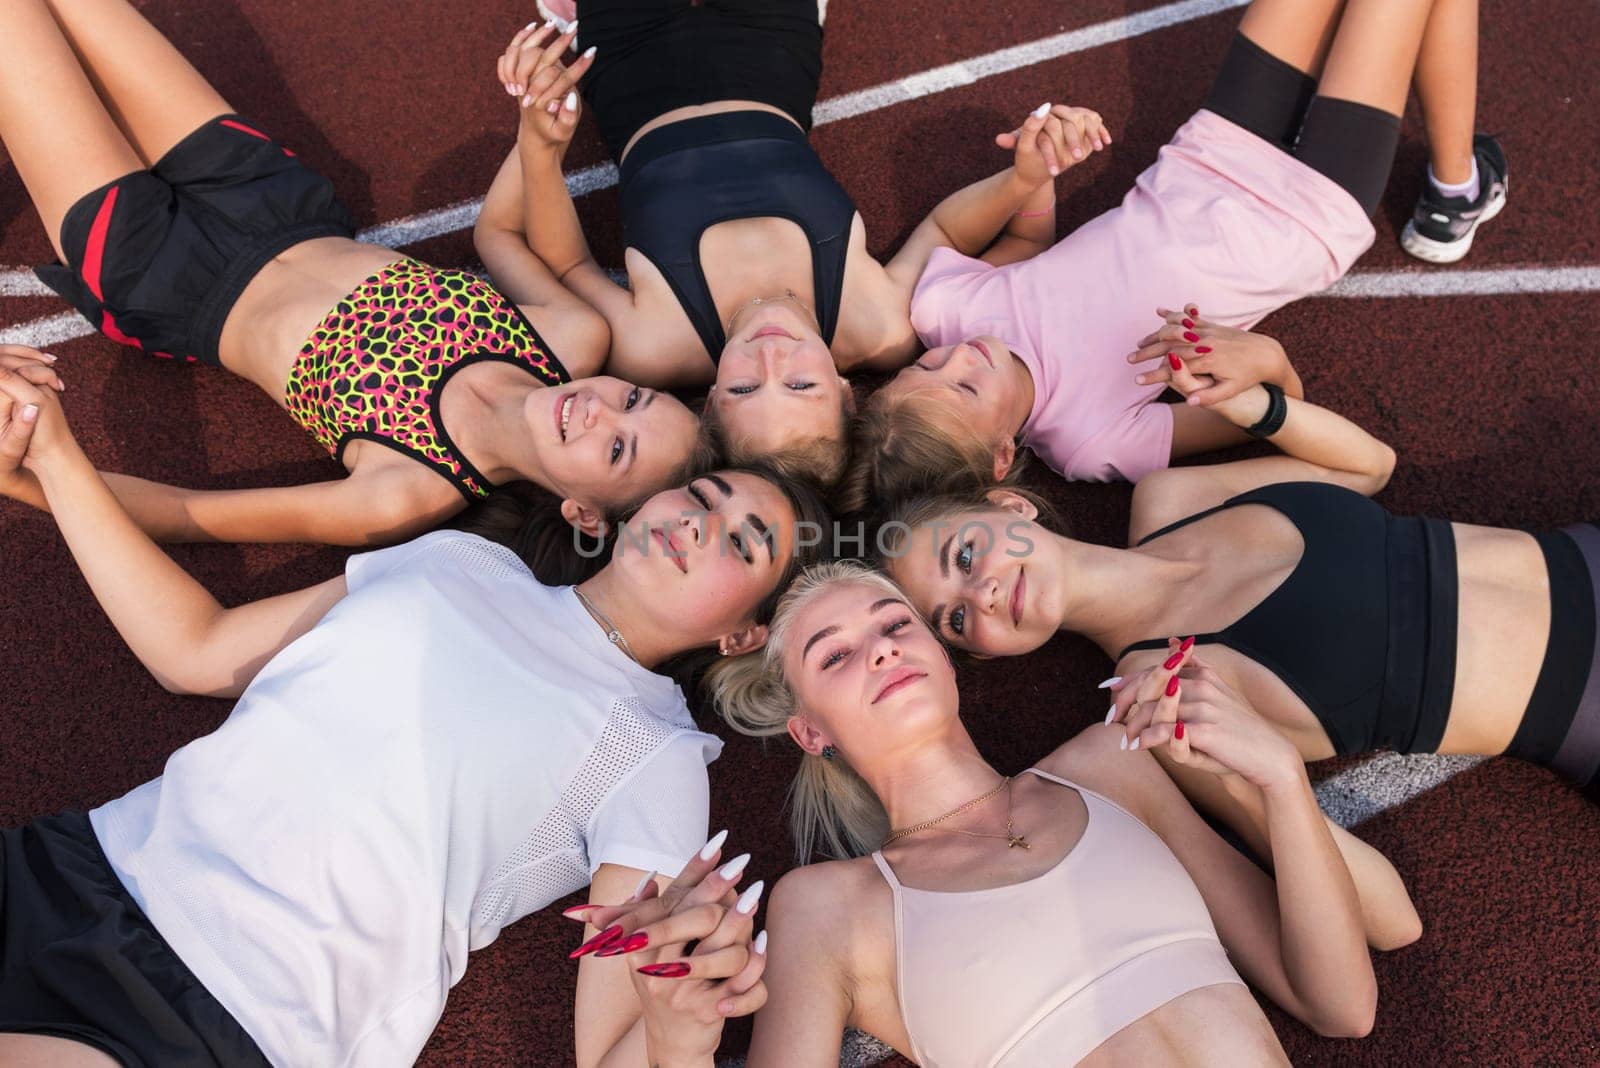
[[1012, 841]]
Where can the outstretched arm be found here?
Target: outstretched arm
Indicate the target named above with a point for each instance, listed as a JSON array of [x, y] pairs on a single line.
[[1048, 142], [377, 509], [1388, 916], [188, 641], [1298, 936], [808, 1005], [1317, 445]]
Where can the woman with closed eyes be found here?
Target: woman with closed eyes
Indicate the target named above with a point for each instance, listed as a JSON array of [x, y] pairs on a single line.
[[1079, 912], [422, 751]]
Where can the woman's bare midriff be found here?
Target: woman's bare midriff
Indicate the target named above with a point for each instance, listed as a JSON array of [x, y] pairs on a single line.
[[1219, 1024], [697, 111], [1502, 627], [285, 302]]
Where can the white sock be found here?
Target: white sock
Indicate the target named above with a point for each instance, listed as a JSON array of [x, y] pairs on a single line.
[[1468, 188]]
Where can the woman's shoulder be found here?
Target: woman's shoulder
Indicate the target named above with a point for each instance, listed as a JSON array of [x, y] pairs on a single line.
[[1094, 760], [826, 896]]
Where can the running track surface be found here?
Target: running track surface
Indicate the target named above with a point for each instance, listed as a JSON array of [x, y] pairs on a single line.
[[1490, 401]]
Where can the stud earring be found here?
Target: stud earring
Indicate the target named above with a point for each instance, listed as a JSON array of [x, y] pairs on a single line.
[[829, 752]]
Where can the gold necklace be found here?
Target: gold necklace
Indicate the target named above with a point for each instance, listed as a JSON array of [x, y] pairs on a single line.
[[1012, 840], [788, 294], [613, 635]]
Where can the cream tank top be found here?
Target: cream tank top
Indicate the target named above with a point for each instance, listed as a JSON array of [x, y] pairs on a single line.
[[1042, 972]]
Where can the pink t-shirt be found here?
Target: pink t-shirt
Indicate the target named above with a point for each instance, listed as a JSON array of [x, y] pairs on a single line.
[[1222, 218]]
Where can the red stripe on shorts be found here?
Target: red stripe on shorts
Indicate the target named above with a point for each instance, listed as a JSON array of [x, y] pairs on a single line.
[[245, 129], [94, 252], [253, 132]]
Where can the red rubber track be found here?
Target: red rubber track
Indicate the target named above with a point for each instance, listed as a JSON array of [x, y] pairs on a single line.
[[1490, 401]]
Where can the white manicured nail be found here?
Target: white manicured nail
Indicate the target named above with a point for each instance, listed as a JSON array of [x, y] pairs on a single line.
[[531, 25], [1042, 110], [527, 101], [649, 875], [747, 900], [732, 869], [1122, 743], [1134, 746], [572, 28], [1111, 713], [572, 100], [1112, 681], [760, 944], [588, 53], [709, 850]]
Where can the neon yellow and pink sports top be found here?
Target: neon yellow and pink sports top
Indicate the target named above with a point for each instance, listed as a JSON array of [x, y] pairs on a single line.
[[375, 367]]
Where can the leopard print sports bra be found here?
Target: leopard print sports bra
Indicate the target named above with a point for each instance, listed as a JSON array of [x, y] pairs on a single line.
[[375, 367]]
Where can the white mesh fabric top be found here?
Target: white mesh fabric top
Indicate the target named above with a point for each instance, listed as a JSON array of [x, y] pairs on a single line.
[[452, 747]]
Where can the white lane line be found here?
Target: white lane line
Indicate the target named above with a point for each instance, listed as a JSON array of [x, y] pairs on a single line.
[[1005, 60], [1384, 782], [1427, 282], [68, 326], [447, 220]]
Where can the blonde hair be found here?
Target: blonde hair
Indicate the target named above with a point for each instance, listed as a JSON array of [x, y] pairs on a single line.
[[832, 810], [908, 444], [820, 460]]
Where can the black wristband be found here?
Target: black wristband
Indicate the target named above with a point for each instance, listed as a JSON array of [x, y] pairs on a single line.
[[1277, 411]]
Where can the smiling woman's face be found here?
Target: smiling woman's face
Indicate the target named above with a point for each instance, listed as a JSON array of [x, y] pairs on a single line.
[[985, 579], [866, 672]]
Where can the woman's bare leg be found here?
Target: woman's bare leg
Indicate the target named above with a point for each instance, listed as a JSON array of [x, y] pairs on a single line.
[[1299, 32], [1447, 87], [47, 1051], [1374, 53], [154, 93], [58, 134]]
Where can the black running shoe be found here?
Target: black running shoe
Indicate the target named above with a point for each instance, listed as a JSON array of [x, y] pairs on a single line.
[[1441, 228]]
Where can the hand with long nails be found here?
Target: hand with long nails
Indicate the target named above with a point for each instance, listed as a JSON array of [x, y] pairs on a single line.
[[686, 997], [1149, 696], [1209, 726], [1211, 364], [1054, 138], [531, 69]]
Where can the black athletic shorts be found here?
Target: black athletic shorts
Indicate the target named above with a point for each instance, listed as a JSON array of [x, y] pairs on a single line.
[[79, 960], [157, 258], [656, 55]]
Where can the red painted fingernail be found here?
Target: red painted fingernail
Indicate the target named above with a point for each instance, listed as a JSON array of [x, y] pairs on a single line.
[[1172, 686], [672, 969], [1172, 661], [599, 941], [634, 942], [578, 910], [1202, 348], [1189, 323], [1173, 361], [1187, 644], [1177, 730], [1190, 335]]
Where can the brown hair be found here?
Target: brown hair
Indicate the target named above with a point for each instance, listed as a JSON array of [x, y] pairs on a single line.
[[910, 444], [905, 516], [820, 460], [527, 519]]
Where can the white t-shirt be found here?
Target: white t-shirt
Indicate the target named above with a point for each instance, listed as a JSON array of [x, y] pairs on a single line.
[[452, 747]]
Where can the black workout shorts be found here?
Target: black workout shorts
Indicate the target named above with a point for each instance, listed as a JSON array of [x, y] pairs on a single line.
[[157, 258], [79, 960]]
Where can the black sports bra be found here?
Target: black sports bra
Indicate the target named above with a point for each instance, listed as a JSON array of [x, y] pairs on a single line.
[[1363, 630], [681, 179]]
